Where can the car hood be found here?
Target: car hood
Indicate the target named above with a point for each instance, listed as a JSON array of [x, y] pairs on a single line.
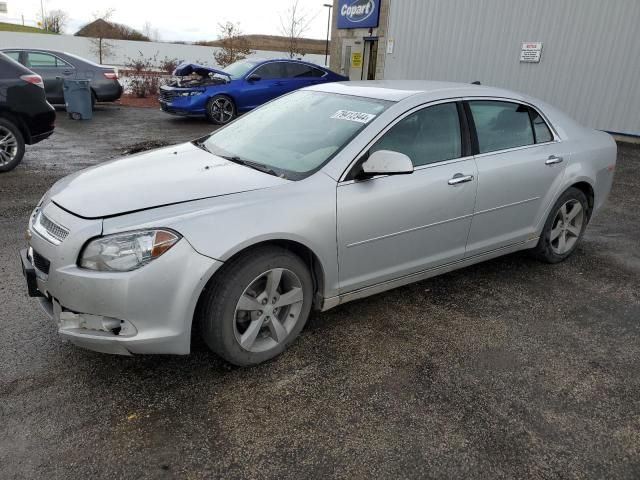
[[185, 69], [166, 176]]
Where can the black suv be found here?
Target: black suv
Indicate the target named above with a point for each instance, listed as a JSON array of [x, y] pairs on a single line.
[[25, 115]]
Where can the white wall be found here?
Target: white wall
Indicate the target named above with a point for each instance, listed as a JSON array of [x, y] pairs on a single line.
[[125, 49]]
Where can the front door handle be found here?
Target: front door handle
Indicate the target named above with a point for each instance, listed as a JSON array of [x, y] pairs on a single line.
[[553, 159], [460, 178]]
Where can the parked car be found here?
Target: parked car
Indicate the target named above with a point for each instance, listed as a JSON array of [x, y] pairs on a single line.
[[220, 95], [25, 115], [326, 195], [54, 66]]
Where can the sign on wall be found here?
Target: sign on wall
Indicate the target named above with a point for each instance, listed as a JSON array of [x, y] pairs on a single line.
[[531, 52], [358, 13], [356, 60], [3, 7]]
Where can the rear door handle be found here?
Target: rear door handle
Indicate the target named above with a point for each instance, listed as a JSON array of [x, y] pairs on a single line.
[[460, 178], [553, 159]]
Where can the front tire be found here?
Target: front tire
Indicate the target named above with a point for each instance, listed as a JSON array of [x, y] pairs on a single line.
[[11, 145], [257, 306], [564, 227], [221, 110]]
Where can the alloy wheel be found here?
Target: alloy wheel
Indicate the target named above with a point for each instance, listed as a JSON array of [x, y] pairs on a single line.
[[8, 146], [222, 110], [566, 227], [268, 310]]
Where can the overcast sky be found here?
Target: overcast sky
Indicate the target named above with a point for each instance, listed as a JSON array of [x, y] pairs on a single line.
[[187, 20]]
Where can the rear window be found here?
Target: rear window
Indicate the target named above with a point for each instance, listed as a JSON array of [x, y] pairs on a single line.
[[501, 125]]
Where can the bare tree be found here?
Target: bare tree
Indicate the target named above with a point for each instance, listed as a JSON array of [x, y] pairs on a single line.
[[55, 21], [100, 46], [150, 32], [294, 23], [233, 45]]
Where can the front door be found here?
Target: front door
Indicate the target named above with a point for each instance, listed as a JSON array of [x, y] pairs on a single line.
[[271, 83], [391, 226], [520, 169]]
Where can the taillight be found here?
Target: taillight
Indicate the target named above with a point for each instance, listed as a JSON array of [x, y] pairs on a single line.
[[35, 79], [110, 75]]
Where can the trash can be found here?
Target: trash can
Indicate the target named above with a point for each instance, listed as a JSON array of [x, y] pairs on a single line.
[[77, 99]]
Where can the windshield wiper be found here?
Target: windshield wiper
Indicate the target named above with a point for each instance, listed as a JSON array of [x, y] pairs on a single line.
[[200, 143], [248, 163]]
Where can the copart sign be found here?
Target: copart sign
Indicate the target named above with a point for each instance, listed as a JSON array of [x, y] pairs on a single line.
[[358, 13]]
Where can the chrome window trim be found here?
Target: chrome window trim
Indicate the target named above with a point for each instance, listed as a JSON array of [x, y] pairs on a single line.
[[388, 127]]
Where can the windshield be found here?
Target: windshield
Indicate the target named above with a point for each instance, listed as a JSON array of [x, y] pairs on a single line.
[[239, 69], [298, 133]]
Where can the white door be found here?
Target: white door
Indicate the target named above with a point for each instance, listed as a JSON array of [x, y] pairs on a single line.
[[352, 59]]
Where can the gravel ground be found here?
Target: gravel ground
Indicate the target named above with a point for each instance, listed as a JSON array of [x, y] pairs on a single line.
[[508, 369]]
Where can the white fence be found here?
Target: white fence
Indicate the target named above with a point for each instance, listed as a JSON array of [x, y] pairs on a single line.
[[123, 50]]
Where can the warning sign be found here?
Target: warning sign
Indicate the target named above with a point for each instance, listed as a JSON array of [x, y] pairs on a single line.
[[531, 52], [356, 60]]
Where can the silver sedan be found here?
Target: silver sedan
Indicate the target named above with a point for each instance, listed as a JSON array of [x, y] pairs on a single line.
[[323, 196]]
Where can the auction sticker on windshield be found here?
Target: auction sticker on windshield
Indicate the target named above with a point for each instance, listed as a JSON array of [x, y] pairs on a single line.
[[353, 116]]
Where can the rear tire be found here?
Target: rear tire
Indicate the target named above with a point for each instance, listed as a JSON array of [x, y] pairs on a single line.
[[11, 145], [257, 306], [564, 227], [221, 110]]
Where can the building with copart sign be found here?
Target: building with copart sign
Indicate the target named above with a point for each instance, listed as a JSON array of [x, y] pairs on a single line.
[[579, 55], [358, 38]]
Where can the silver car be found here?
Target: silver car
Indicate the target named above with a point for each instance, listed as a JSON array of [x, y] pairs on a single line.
[[326, 195]]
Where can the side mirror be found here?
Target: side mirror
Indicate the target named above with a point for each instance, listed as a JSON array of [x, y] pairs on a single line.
[[254, 78], [386, 162]]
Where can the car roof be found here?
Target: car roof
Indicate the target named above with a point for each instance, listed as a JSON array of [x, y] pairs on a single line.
[[397, 90]]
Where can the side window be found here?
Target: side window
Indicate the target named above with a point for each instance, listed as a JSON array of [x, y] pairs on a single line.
[[501, 125], [270, 71], [298, 70], [39, 60], [540, 128], [317, 73], [427, 136], [13, 55]]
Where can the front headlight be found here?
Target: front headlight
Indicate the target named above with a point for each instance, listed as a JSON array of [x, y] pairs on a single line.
[[124, 252], [190, 94]]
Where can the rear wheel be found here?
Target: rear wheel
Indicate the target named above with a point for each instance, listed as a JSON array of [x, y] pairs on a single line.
[[564, 227], [11, 145], [221, 110], [257, 306]]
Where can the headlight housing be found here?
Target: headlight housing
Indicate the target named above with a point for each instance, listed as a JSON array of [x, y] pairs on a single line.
[[192, 93], [123, 252]]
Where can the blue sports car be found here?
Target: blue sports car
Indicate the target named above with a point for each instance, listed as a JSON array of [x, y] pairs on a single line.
[[220, 95]]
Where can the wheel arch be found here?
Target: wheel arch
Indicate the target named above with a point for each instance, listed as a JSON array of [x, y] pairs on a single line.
[[304, 252], [586, 188], [18, 122]]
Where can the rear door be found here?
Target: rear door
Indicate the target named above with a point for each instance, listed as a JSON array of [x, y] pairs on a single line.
[[520, 168], [53, 70], [300, 75], [396, 225]]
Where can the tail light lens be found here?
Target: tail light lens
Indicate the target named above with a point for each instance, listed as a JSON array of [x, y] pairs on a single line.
[[35, 79], [110, 75]]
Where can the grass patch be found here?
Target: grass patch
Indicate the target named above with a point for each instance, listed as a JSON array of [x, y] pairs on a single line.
[[12, 27]]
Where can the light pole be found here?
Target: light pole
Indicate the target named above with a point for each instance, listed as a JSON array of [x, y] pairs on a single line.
[[326, 50]]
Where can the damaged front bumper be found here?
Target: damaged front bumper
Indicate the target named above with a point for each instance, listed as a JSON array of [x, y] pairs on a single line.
[[144, 311]]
